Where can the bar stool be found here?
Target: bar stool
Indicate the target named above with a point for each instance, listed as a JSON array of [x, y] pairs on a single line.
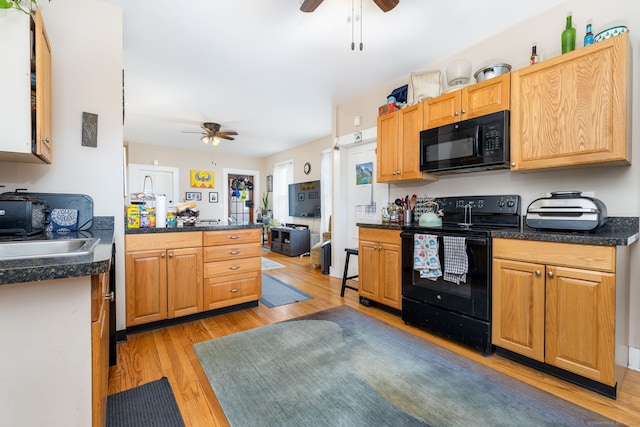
[[349, 252]]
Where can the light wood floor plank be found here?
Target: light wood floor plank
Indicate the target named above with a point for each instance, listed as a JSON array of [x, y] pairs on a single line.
[[147, 356]]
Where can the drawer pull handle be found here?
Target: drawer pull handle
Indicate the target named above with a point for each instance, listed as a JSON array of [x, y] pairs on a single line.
[[235, 267], [234, 237], [234, 290], [234, 252]]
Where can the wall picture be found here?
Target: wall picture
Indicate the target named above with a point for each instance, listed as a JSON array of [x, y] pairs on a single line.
[[193, 195], [201, 179], [213, 197]]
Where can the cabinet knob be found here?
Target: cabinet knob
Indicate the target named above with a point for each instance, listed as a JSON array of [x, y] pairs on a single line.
[[513, 164], [110, 296], [162, 256], [538, 273], [171, 255], [455, 113], [550, 274], [464, 111]]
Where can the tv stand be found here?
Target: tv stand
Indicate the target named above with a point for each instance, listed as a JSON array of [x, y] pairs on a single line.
[[290, 241]]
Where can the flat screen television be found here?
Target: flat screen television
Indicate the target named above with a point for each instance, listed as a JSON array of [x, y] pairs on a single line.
[[304, 199]]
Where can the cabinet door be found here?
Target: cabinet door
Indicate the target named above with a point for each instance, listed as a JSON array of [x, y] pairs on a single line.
[[387, 148], [368, 269], [572, 109], [580, 322], [100, 350], [146, 286], [442, 110], [409, 142], [487, 97], [43, 138], [390, 290], [518, 307], [184, 282]]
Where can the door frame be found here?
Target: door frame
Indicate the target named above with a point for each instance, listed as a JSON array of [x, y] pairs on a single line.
[[225, 189]]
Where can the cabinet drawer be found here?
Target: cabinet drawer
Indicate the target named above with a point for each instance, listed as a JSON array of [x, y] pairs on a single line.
[[228, 252], [177, 240], [223, 291], [591, 257], [226, 237], [235, 266], [380, 235]]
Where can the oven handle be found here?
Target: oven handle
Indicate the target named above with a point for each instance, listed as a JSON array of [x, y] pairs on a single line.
[[477, 242]]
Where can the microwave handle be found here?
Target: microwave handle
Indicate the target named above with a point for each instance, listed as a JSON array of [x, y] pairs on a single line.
[[476, 141]]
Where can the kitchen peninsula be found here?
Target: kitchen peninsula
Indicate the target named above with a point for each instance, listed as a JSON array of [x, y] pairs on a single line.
[[183, 273], [54, 327]]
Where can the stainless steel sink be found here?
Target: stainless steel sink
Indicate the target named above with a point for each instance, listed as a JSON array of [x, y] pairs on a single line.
[[47, 248]]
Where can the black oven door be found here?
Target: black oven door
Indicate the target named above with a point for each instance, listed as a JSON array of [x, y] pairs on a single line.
[[450, 147], [471, 297]]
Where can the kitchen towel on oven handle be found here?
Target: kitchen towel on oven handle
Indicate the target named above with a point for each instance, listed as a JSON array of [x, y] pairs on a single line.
[[425, 256], [456, 262]]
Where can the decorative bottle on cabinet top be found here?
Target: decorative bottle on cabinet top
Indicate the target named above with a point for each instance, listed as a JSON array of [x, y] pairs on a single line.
[[568, 37], [534, 55], [588, 37]]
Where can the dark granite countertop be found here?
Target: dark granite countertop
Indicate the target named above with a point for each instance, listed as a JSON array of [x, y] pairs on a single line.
[[49, 268], [197, 227], [618, 231]]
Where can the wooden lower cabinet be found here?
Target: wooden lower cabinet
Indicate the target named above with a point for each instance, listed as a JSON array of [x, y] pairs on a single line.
[[232, 267], [379, 265], [163, 283], [100, 347], [556, 303]]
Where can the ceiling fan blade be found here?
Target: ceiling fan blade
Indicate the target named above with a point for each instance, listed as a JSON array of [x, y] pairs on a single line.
[[228, 132], [189, 131], [225, 137], [386, 5], [310, 5]]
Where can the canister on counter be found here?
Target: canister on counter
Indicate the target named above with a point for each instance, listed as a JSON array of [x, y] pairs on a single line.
[[172, 220], [133, 217], [152, 217], [144, 219]]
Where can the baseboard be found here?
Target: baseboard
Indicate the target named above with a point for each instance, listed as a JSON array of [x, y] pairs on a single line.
[[634, 358]]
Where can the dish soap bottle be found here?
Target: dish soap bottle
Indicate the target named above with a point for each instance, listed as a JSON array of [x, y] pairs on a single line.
[[588, 37], [568, 37]]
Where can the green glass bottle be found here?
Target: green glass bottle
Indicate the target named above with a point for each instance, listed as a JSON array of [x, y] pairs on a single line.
[[568, 37]]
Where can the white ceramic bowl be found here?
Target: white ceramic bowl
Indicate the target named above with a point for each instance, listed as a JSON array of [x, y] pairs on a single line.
[[610, 32]]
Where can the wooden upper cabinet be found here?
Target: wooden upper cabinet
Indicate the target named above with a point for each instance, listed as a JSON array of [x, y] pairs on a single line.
[[398, 151], [476, 100], [43, 141], [572, 110]]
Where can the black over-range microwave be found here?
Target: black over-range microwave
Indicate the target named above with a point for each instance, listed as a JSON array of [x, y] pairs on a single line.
[[481, 143]]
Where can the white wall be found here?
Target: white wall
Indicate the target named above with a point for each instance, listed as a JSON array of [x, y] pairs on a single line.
[[616, 186], [86, 45]]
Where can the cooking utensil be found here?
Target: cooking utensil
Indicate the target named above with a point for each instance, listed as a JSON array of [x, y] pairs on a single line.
[[413, 201], [398, 202], [490, 71]]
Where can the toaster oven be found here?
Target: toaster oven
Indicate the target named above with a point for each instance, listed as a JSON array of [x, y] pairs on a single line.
[[22, 215]]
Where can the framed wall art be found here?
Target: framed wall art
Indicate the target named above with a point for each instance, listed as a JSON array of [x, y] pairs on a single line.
[[213, 197], [193, 195]]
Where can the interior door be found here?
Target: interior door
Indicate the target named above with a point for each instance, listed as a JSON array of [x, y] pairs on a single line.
[[165, 180], [241, 201]]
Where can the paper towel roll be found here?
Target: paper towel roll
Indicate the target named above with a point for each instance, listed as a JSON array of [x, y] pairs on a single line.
[[161, 211]]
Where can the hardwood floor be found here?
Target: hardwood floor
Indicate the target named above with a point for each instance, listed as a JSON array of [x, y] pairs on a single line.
[[147, 356]]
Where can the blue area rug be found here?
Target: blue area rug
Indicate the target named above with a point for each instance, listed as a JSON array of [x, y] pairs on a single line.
[[342, 368], [275, 292], [267, 264]]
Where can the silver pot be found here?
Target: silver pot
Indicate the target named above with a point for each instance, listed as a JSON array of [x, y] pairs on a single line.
[[490, 71]]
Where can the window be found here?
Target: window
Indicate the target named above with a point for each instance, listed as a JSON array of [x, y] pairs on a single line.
[[282, 177]]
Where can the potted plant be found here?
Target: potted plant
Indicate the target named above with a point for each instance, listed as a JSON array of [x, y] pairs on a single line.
[[263, 210], [26, 6]]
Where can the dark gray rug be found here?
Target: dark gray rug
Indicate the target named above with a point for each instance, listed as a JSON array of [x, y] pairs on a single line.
[[152, 404], [339, 367], [275, 292]]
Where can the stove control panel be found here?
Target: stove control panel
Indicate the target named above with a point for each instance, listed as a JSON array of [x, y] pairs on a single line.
[[494, 204]]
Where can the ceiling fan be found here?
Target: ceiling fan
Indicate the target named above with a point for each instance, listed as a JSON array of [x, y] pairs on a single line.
[[385, 5], [213, 134]]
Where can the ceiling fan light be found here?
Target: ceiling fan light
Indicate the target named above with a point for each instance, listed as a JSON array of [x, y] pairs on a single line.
[[215, 140], [205, 139]]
